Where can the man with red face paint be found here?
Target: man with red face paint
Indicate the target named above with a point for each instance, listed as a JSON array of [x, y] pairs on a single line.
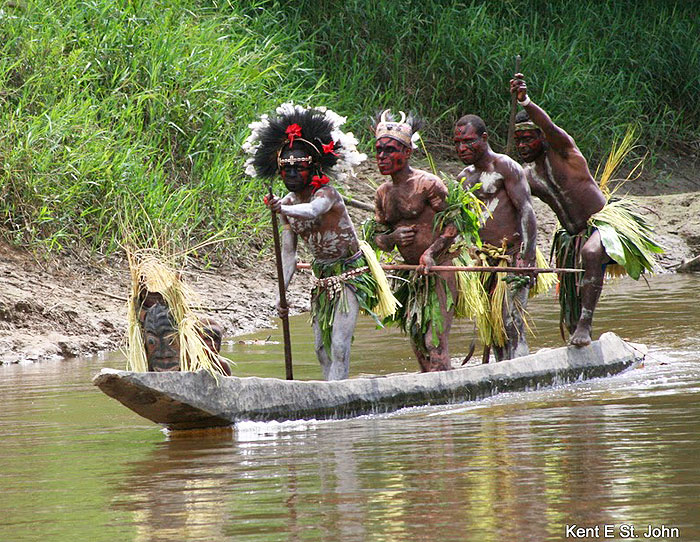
[[558, 174], [301, 145], [508, 235], [405, 207]]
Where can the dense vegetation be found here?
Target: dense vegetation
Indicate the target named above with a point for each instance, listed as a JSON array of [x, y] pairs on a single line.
[[134, 111]]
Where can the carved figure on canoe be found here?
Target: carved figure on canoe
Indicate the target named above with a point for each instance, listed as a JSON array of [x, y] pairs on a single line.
[[161, 338], [508, 233]]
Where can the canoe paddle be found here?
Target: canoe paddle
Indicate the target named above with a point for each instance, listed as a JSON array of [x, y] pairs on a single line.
[[513, 109], [283, 295]]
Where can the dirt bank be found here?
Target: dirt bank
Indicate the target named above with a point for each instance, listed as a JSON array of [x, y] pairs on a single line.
[[66, 307]]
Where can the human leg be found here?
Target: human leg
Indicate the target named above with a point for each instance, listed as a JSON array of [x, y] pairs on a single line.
[[335, 364], [344, 322], [321, 354], [593, 257], [438, 357], [514, 307]]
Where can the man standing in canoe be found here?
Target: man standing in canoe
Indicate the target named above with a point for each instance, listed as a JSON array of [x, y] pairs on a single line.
[[508, 235], [594, 232], [303, 146], [405, 209]]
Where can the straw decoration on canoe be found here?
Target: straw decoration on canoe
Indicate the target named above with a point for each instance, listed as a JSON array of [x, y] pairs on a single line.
[[154, 273]]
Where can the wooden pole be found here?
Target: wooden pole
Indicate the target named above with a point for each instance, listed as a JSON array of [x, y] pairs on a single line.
[[474, 269], [513, 108], [358, 204], [283, 295]]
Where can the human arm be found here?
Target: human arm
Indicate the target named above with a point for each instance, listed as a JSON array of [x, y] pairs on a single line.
[[437, 199], [320, 204], [289, 252], [289, 261], [518, 191], [441, 243]]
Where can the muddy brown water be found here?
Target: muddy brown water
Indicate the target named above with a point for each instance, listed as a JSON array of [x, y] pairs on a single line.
[[620, 453]]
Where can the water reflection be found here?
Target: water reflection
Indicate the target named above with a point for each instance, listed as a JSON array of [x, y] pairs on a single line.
[[663, 312], [517, 467], [178, 491], [521, 466]]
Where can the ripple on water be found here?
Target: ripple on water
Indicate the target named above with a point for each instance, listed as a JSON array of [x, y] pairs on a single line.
[[518, 466]]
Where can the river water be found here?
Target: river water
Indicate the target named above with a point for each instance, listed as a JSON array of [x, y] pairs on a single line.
[[564, 464]]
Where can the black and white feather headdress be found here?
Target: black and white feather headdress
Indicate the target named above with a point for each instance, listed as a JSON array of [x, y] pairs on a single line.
[[316, 130]]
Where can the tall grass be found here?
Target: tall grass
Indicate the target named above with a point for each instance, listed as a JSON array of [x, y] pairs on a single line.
[[134, 112], [597, 66]]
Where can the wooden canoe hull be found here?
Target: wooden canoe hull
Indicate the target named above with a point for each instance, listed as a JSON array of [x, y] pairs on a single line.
[[180, 400]]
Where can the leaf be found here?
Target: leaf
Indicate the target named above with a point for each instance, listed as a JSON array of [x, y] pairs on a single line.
[[612, 243]]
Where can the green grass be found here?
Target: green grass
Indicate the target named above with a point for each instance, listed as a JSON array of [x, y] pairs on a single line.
[[134, 112], [597, 66]]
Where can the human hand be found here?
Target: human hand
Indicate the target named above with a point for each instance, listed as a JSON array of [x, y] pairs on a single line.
[[527, 262], [282, 312], [273, 202], [425, 263], [404, 235], [518, 87]]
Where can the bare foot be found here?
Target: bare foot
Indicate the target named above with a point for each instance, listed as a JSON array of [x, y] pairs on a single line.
[[581, 337]]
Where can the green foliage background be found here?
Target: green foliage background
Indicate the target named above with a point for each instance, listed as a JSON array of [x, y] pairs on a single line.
[[135, 111]]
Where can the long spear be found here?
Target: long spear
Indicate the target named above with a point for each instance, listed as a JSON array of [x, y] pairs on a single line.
[[513, 108], [283, 294], [509, 152], [471, 269]]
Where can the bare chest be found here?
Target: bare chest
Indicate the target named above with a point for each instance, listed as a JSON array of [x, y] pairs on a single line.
[[329, 237], [401, 205]]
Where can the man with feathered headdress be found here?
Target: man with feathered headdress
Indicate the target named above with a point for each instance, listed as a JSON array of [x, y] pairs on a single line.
[[405, 208], [304, 146], [595, 232]]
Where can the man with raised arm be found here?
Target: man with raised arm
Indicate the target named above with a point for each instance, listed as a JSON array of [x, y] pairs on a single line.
[[405, 208], [508, 235], [594, 233], [303, 145]]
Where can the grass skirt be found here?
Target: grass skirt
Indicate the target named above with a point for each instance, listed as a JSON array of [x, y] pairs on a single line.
[[363, 276], [627, 239]]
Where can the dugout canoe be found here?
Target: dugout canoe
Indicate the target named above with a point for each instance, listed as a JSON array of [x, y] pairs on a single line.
[[182, 400]]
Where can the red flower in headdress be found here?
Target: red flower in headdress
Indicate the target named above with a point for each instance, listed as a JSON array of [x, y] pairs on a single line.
[[329, 148], [292, 131], [318, 181]]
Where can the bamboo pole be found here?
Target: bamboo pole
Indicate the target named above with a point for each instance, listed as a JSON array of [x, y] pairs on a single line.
[[471, 269], [283, 295], [513, 109]]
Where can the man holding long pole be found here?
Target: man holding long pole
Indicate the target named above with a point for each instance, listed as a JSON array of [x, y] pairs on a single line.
[[595, 233], [508, 234], [405, 209], [303, 146]]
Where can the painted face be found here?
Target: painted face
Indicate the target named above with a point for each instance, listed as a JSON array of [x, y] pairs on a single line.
[[530, 144], [297, 175], [161, 340], [469, 145], [392, 156]]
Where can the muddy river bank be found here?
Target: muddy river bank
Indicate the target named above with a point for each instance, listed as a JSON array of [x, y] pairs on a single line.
[[72, 305]]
